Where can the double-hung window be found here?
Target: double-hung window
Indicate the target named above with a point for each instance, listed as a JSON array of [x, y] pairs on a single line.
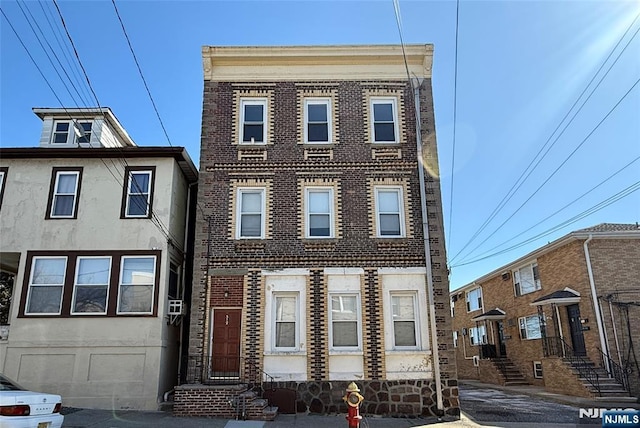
[[63, 201], [45, 285], [137, 279], [404, 313], [344, 318], [319, 204], [526, 279], [389, 212], [317, 119], [478, 335], [139, 193], [285, 321], [251, 213], [474, 299], [253, 121], [85, 131], [91, 286], [384, 120], [71, 131], [530, 327]]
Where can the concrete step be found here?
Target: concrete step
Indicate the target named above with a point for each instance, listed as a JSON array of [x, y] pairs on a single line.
[[269, 413]]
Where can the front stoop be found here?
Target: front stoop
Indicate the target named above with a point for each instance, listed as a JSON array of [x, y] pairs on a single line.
[[222, 401], [509, 372], [255, 408], [610, 389]]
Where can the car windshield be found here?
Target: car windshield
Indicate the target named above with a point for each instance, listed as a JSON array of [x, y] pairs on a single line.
[[8, 385]]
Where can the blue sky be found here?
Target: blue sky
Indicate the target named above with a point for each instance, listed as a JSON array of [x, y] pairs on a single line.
[[521, 65]]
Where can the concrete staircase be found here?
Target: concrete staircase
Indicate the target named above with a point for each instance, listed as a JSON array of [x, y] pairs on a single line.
[[249, 406], [510, 374], [610, 389]]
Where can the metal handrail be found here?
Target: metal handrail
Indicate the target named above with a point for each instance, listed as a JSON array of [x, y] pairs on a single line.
[[557, 347], [615, 370], [225, 370]]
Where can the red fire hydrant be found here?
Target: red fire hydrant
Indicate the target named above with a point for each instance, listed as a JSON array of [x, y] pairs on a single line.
[[353, 400]]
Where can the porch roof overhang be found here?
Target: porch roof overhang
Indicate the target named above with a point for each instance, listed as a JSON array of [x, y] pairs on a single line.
[[560, 298], [493, 314]]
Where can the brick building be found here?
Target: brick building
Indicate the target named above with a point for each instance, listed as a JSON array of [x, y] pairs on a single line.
[[310, 267], [561, 317]]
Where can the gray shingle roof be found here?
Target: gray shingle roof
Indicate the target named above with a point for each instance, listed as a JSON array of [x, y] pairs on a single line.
[[610, 227]]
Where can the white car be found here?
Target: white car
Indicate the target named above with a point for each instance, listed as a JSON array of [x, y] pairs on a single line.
[[20, 408]]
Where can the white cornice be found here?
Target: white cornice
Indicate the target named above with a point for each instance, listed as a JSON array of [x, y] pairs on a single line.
[[347, 62]]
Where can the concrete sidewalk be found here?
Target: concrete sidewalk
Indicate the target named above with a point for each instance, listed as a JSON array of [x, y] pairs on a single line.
[[85, 418]]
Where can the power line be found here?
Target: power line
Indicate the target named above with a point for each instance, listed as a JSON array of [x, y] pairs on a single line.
[[563, 162], [529, 169], [603, 204], [561, 209], [140, 71], [455, 113], [38, 38]]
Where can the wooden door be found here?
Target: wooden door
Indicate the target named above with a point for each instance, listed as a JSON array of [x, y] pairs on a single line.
[[225, 358]]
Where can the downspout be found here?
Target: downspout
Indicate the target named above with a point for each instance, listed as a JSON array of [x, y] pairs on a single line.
[[596, 305], [427, 250]]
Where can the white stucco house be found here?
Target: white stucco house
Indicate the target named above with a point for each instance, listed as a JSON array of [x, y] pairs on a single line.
[[94, 235]]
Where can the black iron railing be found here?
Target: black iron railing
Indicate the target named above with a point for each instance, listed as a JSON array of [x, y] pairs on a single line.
[[226, 370], [557, 347], [615, 371], [488, 350]]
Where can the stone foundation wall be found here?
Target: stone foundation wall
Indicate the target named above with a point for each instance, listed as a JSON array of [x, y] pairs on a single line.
[[388, 398]]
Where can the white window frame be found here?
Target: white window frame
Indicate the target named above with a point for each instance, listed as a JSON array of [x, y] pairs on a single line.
[[478, 335], [72, 137], [517, 279], [317, 101], [477, 299], [416, 320], [394, 107], [239, 195], [152, 284], [522, 327], [85, 132], [55, 194], [138, 193], [75, 285], [32, 285], [308, 214], [274, 320], [358, 346], [400, 195], [537, 368], [253, 101]]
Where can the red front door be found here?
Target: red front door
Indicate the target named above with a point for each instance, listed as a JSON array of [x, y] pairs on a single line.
[[225, 358]]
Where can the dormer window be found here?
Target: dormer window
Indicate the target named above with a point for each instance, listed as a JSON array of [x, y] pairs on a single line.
[[64, 132]]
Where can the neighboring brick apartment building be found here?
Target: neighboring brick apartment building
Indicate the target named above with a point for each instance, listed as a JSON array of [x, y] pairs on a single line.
[[311, 266], [545, 318]]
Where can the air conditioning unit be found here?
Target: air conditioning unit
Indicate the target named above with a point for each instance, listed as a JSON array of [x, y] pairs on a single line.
[[506, 276], [176, 307], [476, 360], [464, 331]]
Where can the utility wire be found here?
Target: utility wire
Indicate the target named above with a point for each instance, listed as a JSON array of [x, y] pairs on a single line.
[[529, 169], [140, 71], [561, 209], [455, 113], [64, 48], [603, 204], [563, 162]]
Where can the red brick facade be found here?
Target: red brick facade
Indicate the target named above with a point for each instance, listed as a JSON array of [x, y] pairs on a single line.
[[352, 166]]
